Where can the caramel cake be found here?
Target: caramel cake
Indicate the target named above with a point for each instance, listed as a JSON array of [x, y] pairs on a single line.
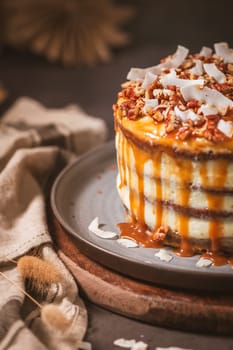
[[174, 142]]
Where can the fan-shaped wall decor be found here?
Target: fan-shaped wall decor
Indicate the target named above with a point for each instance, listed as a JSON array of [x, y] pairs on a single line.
[[70, 31]]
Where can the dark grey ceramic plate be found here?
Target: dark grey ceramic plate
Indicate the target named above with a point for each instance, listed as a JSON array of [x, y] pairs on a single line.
[[87, 189]]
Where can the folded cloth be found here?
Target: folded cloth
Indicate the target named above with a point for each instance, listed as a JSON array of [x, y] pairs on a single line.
[[35, 144], [29, 124]]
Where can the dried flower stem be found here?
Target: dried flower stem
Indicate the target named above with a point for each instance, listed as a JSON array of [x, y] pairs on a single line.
[[21, 289], [12, 260]]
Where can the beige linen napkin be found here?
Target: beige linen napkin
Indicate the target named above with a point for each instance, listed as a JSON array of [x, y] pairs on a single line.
[[35, 144]]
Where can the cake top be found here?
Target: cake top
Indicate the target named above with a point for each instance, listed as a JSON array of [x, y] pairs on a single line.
[[189, 95]]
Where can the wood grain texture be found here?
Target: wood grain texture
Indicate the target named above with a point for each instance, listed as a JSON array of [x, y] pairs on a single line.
[[184, 310]]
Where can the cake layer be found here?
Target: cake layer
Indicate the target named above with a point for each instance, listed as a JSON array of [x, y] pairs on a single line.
[[198, 225], [213, 177], [192, 197], [214, 174], [173, 194], [147, 135], [166, 181], [200, 210]]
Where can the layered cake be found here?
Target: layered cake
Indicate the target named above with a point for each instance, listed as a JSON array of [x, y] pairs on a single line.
[[174, 142]]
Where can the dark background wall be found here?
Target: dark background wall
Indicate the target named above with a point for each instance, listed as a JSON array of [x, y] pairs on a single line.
[[191, 23]]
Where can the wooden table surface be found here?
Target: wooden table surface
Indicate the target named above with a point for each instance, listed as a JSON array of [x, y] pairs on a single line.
[[95, 90]]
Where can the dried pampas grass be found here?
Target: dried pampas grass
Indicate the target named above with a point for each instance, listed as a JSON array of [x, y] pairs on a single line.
[[71, 31], [39, 274], [20, 289], [55, 318]]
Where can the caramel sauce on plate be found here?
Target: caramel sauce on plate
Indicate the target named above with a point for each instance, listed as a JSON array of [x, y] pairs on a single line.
[[217, 258], [138, 233]]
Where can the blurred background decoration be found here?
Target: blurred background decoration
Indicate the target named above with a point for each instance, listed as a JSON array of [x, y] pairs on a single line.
[[85, 32], [72, 32], [3, 93]]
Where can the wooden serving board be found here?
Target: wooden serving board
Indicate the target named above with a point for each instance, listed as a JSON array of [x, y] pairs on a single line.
[[184, 310]]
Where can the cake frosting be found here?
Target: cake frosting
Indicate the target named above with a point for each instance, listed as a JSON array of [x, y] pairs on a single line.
[[174, 142]]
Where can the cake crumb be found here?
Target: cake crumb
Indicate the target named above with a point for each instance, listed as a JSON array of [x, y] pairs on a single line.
[[163, 255], [124, 343], [128, 243], [202, 262], [171, 348], [131, 344], [94, 228]]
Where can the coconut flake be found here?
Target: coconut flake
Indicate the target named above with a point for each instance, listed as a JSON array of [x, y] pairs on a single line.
[[124, 343], [207, 110], [209, 96], [128, 243], [84, 345], [147, 262], [198, 68], [149, 79], [140, 345], [206, 51], [185, 115], [212, 70], [172, 79], [130, 344], [163, 255], [150, 103], [226, 127], [137, 74], [171, 348], [177, 59], [174, 61], [202, 262], [68, 308], [192, 92], [222, 49], [94, 228], [159, 92]]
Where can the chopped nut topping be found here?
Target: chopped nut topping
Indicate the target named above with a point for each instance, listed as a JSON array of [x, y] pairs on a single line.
[[230, 68], [182, 124], [160, 234]]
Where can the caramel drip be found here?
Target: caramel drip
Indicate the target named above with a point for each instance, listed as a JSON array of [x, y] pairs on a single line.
[[136, 157], [122, 160], [146, 134], [219, 173], [132, 194], [131, 165], [185, 174], [158, 210], [137, 195], [140, 159]]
